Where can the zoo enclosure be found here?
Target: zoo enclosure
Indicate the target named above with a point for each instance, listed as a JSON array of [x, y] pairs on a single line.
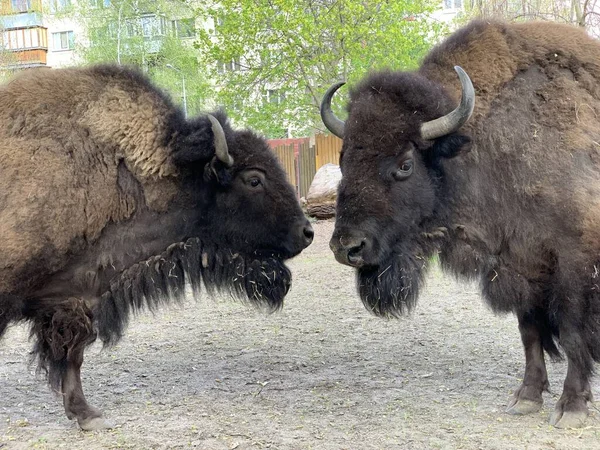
[[302, 157]]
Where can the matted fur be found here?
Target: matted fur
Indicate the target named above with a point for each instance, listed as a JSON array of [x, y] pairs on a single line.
[[391, 289], [59, 331], [259, 279]]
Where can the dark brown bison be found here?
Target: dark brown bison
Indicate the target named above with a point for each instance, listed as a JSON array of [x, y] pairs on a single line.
[[110, 200], [509, 197]]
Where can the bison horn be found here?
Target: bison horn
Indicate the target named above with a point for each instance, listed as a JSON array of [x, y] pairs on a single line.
[[333, 124], [220, 142], [454, 120]]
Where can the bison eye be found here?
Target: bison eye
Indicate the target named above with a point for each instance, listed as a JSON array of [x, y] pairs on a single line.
[[405, 170], [253, 179], [254, 182]]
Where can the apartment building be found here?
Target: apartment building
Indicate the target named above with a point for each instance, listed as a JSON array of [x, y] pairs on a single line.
[[33, 34], [45, 32]]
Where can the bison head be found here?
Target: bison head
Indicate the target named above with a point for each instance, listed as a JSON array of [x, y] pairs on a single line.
[[239, 191], [235, 220], [400, 127]]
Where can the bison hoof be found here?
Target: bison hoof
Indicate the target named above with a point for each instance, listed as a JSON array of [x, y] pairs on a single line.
[[569, 414], [568, 419], [520, 406], [527, 399], [95, 423]]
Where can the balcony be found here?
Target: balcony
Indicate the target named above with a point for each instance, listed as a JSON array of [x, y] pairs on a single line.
[[21, 20], [11, 7], [24, 59], [28, 47], [20, 13], [29, 58]]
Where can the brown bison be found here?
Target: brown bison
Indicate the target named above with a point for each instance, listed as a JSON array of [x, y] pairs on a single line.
[[506, 191], [110, 200]]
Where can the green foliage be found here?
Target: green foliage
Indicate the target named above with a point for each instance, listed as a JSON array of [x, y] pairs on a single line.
[[274, 59], [149, 35]]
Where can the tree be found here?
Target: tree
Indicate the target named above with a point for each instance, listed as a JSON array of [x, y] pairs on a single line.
[[274, 59], [156, 36], [582, 13]]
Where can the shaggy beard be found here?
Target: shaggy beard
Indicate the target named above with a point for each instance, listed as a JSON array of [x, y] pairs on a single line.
[[392, 288], [260, 279]]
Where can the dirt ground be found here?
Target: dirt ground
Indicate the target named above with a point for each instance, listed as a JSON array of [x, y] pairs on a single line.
[[321, 374]]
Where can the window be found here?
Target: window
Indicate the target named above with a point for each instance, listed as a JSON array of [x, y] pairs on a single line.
[[229, 66], [64, 40], [13, 41], [147, 26], [184, 28], [275, 96], [24, 38], [453, 4], [147, 23], [59, 5], [100, 3], [102, 34], [20, 5]]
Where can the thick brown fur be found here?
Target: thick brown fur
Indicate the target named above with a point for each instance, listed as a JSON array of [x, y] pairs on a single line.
[[110, 201], [511, 199]]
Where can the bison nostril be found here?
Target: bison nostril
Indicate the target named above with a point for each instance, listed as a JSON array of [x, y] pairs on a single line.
[[355, 253], [309, 233]]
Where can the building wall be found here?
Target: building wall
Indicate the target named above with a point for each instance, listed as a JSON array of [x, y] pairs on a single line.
[[63, 35], [448, 10]]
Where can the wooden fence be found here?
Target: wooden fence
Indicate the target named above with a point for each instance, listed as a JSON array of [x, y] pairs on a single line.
[[301, 159], [285, 153], [328, 149]]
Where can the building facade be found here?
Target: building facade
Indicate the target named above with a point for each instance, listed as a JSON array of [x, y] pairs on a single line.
[[33, 33]]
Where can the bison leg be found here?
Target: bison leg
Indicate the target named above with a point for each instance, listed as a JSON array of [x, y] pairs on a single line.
[[528, 397], [76, 406], [63, 330], [571, 410]]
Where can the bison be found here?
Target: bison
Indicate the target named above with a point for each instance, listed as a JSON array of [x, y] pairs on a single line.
[[505, 189], [111, 201]]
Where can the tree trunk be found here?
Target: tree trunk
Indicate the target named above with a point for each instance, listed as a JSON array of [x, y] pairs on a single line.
[[579, 12]]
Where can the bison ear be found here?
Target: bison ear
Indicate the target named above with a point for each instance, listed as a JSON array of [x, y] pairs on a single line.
[[193, 148], [218, 172], [450, 146], [199, 141]]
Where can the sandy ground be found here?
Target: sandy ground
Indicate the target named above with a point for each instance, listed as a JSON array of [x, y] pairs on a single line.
[[321, 374]]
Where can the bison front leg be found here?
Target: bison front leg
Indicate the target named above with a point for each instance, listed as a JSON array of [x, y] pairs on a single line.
[[63, 330], [571, 410], [528, 397], [76, 406]]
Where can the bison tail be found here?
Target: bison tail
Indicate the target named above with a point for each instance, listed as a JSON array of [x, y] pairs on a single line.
[[549, 344], [548, 329]]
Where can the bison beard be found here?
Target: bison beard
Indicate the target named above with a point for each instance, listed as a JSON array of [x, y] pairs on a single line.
[[261, 279], [392, 289]]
